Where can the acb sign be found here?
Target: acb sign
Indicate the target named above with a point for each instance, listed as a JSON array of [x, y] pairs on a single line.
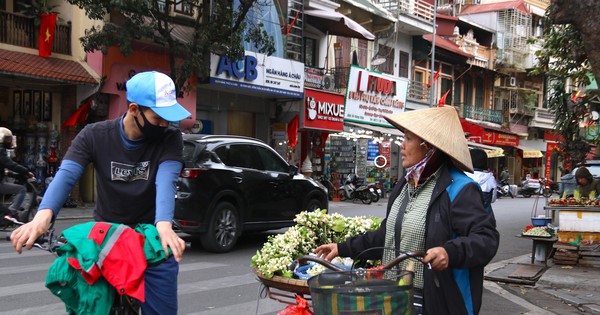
[[242, 69]]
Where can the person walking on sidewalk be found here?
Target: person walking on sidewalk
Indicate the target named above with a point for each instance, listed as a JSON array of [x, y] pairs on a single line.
[[9, 188], [435, 208], [137, 158]]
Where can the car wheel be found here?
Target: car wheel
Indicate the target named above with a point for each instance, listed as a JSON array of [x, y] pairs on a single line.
[[223, 230], [313, 204]]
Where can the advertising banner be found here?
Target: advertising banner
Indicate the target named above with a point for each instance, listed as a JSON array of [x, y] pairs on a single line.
[[496, 138], [372, 94], [323, 110]]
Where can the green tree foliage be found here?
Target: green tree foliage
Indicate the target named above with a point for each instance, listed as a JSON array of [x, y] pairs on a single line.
[[217, 27], [563, 60]]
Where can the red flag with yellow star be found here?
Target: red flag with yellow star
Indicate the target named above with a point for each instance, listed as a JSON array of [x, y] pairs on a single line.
[[47, 26]]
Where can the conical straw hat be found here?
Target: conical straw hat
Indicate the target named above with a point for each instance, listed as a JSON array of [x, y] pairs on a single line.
[[440, 127]]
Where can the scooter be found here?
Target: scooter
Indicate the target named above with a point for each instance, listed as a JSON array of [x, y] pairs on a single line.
[[503, 189], [530, 187], [350, 190], [30, 204], [376, 191], [549, 187]]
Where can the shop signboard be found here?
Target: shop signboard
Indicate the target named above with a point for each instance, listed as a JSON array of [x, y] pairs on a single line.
[[371, 95], [323, 110], [314, 78], [496, 138], [259, 73], [372, 150]]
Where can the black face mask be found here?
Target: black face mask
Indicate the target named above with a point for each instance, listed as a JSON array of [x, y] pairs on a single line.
[[150, 131]]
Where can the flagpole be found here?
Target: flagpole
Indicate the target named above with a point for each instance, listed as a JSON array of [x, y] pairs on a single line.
[[432, 91]]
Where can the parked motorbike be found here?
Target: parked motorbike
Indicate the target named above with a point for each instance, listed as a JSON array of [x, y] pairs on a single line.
[[532, 186], [550, 187], [376, 191], [350, 190], [503, 189]]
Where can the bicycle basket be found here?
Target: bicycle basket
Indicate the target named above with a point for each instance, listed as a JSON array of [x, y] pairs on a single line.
[[359, 292]]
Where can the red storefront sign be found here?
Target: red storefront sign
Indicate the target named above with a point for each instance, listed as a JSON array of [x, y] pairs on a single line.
[[550, 148], [322, 110], [496, 138]]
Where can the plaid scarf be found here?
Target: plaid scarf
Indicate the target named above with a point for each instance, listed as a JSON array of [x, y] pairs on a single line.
[[414, 172]]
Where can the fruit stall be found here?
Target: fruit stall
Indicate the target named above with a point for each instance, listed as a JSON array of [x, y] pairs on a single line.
[[578, 236]]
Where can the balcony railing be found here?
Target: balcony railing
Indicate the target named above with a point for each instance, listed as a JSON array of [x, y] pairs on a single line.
[[416, 8], [20, 30], [494, 116], [418, 92]]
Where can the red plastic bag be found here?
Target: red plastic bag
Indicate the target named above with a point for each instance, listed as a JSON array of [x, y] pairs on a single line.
[[300, 308]]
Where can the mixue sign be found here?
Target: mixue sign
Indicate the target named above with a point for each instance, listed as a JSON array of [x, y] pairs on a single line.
[[371, 95], [322, 110]]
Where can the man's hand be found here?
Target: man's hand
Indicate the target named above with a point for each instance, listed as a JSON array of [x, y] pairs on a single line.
[[327, 251], [168, 238], [28, 233], [438, 257]]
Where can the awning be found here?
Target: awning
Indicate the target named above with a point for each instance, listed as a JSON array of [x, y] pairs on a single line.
[[532, 149], [530, 154], [336, 23], [372, 8], [490, 151], [383, 130], [24, 65]]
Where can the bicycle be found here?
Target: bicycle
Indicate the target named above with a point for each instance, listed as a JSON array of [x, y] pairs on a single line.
[[122, 304]]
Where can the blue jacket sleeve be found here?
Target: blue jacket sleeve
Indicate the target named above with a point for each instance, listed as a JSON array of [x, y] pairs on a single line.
[[166, 178], [60, 187]]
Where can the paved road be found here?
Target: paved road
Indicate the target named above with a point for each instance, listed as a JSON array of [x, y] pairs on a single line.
[[224, 284]]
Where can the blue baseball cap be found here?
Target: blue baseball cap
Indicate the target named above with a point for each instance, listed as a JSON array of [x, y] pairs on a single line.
[[156, 90]]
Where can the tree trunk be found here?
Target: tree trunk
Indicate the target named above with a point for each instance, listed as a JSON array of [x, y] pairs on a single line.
[[583, 14]]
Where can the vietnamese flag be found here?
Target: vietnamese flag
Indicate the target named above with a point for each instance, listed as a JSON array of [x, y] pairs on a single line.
[[79, 116], [442, 101], [292, 131], [435, 76], [47, 26]]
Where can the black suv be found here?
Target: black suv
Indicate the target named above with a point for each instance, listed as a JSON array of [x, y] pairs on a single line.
[[232, 184]]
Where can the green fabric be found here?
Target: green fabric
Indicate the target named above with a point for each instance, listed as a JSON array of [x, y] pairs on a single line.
[[67, 283], [70, 286]]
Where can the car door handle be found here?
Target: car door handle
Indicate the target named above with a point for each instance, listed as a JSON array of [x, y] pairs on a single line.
[[238, 179]]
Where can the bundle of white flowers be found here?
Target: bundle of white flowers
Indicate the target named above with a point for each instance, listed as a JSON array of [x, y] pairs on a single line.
[[311, 230]]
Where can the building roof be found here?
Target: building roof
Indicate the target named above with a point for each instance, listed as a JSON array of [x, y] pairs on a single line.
[[33, 66], [495, 7], [448, 45]]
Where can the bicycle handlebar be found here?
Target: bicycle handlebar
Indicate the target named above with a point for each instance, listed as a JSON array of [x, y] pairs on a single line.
[[416, 254]]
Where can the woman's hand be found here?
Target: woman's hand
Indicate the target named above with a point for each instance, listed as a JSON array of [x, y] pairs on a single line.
[[168, 238], [27, 234], [327, 251], [437, 257]]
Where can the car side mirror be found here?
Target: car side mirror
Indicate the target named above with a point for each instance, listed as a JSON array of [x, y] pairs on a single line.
[[292, 170]]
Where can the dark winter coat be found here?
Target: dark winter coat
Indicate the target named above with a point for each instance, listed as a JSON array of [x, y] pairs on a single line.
[[457, 221], [7, 162]]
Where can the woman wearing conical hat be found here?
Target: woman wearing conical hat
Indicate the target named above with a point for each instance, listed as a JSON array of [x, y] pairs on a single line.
[[435, 208]]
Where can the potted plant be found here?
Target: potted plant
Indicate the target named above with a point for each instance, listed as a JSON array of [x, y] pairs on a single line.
[[37, 9]]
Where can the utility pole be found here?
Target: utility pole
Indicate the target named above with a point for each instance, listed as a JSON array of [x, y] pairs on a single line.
[[432, 88]]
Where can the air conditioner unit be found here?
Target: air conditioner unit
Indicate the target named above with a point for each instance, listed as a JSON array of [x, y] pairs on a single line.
[[329, 83]]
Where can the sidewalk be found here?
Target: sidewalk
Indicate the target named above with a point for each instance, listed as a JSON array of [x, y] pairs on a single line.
[[575, 285]]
